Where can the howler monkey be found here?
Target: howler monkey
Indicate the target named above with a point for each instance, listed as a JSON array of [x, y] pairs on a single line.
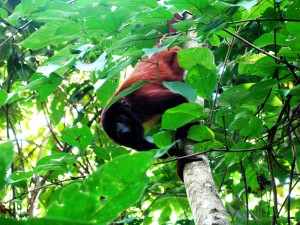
[[125, 119]]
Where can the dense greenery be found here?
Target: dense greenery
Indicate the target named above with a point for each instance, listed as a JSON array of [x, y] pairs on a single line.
[[62, 60]]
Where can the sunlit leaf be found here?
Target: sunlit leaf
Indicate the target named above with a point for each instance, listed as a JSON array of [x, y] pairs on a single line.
[[6, 158], [52, 34], [119, 182], [77, 136], [203, 80], [191, 57], [3, 97]]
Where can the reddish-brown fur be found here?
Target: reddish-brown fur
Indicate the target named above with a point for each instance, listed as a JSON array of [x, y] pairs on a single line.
[[152, 99]]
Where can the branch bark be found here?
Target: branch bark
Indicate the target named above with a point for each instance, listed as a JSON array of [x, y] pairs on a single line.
[[205, 202]]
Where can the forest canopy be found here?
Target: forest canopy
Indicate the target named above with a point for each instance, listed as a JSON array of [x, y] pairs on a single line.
[[62, 60]]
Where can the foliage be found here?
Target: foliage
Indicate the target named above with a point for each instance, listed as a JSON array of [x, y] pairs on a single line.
[[62, 60]]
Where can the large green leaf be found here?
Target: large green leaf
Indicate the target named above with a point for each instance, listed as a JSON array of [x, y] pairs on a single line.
[[110, 190], [200, 133], [293, 12], [6, 157], [163, 139], [42, 221], [153, 16], [180, 115], [191, 57], [268, 39], [114, 20], [203, 80], [52, 34], [55, 162], [132, 4], [182, 88], [192, 5], [253, 128], [258, 92], [43, 85], [98, 64], [29, 6], [106, 90], [232, 95], [57, 108]]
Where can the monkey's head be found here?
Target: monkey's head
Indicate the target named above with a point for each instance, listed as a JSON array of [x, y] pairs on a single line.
[[121, 124]]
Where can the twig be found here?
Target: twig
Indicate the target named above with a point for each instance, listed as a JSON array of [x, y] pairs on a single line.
[[264, 19], [260, 50], [15, 33]]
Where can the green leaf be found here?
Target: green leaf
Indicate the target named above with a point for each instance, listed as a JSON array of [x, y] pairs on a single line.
[[295, 91], [6, 158], [43, 85], [114, 20], [100, 152], [3, 97], [182, 88], [238, 123], [207, 145], [163, 139], [253, 128], [19, 176], [151, 51], [42, 221], [200, 133], [77, 136], [126, 92], [191, 57], [258, 92], [180, 115], [3, 13], [190, 5], [247, 4], [214, 40], [224, 117], [29, 6], [55, 15], [57, 108], [203, 80], [118, 151], [119, 183], [214, 27], [58, 161], [129, 41], [98, 64], [184, 25], [230, 96], [119, 67], [236, 157], [52, 34], [264, 67], [106, 90], [153, 16], [52, 67], [268, 39], [293, 11], [132, 4]]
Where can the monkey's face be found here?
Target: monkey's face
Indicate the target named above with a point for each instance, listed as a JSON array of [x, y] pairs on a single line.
[[122, 126]]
